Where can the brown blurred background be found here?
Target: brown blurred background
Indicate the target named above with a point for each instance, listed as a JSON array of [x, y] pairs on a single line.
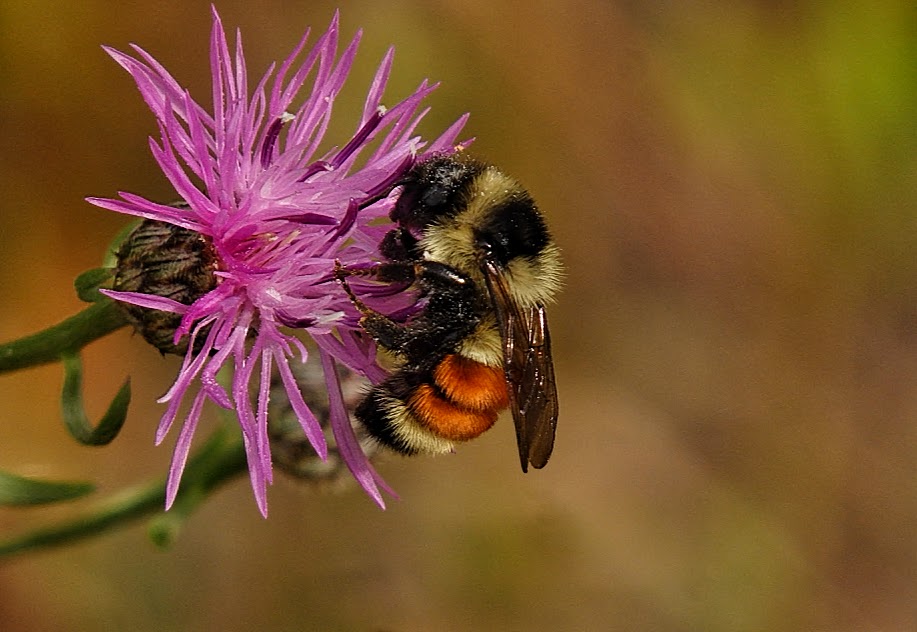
[[733, 185]]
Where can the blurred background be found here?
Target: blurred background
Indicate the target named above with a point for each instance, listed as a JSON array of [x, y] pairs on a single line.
[[733, 186]]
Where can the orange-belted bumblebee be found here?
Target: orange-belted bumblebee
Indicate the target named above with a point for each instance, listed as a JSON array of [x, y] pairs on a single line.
[[471, 239]]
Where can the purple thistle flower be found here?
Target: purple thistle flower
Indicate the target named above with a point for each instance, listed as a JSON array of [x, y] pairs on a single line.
[[277, 216]]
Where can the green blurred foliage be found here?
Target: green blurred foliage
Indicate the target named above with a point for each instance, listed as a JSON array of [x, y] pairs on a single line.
[[733, 186]]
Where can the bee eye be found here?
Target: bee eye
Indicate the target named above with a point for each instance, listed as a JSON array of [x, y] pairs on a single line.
[[434, 196]]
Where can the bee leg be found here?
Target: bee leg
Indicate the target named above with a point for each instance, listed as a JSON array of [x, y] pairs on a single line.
[[451, 300], [384, 330], [441, 278], [394, 272], [340, 274], [449, 314]]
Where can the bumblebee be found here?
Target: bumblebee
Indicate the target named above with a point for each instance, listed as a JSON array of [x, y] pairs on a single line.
[[474, 244]]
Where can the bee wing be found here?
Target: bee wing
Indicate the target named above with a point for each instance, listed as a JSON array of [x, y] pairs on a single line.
[[529, 370]]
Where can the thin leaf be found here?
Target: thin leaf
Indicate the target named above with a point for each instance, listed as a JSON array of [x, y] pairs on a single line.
[[21, 491], [74, 414]]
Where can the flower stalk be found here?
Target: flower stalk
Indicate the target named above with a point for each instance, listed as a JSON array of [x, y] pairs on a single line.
[[219, 460], [94, 322]]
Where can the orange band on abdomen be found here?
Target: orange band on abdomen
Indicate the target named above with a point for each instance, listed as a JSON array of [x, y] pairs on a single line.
[[444, 418], [472, 385]]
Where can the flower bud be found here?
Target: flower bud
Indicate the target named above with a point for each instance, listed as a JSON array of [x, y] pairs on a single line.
[[290, 449], [164, 260]]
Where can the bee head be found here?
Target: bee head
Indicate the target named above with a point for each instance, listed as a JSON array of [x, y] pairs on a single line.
[[433, 191]]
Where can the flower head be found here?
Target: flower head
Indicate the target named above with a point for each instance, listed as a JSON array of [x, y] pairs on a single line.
[[275, 215]]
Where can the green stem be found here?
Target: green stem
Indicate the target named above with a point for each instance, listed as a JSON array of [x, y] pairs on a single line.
[[97, 320], [219, 460]]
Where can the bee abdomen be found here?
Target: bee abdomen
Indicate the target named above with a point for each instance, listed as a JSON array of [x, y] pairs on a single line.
[[458, 401], [471, 385], [447, 419]]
